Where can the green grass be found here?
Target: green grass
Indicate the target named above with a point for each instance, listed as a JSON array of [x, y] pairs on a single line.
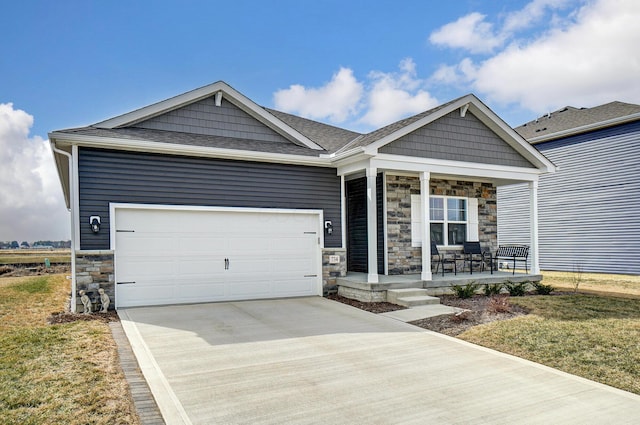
[[596, 337], [67, 373]]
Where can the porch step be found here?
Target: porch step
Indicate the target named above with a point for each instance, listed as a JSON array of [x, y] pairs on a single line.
[[411, 297]]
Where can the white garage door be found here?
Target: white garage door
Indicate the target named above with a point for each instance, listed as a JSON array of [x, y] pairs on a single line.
[[178, 256]]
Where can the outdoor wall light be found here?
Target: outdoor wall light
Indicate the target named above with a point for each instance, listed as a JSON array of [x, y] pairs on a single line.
[[328, 227], [94, 221]]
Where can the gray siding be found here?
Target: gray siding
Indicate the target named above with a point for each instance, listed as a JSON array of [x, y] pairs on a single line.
[[589, 211], [116, 176], [453, 137], [204, 117]]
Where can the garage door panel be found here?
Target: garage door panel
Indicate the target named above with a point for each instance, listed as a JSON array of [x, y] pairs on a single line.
[[143, 266], [178, 256], [300, 287]]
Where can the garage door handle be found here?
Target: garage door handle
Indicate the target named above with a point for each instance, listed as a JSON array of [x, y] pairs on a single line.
[[226, 264], [126, 283]]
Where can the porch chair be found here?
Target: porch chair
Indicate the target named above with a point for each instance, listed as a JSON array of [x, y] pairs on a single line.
[[473, 253], [442, 260]]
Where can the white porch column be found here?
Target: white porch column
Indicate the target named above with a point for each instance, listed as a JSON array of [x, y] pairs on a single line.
[[425, 176], [372, 228], [533, 205]]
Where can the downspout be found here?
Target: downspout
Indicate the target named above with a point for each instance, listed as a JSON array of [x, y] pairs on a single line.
[[73, 221]]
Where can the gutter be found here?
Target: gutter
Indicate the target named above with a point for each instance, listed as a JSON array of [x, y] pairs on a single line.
[[72, 307]]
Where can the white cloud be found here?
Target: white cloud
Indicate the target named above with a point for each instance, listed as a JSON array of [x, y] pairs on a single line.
[[594, 60], [393, 96], [531, 14], [336, 101], [471, 32], [387, 97], [585, 56], [32, 205]]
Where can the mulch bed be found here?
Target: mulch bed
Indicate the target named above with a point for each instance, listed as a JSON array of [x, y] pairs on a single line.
[[480, 309], [66, 317], [370, 307]]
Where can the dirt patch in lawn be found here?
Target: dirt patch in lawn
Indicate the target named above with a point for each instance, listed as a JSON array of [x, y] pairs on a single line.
[[10, 270]]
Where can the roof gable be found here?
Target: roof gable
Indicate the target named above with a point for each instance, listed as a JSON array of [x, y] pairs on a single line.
[[456, 138], [205, 117], [373, 142], [216, 92]]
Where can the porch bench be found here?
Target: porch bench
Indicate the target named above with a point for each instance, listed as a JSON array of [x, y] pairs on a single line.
[[511, 252]]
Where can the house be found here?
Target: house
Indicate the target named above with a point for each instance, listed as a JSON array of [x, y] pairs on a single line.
[[208, 196], [589, 210]]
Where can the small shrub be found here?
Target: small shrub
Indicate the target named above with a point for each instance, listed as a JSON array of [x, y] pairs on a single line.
[[542, 289], [492, 289], [462, 316], [499, 304], [466, 291], [516, 289]]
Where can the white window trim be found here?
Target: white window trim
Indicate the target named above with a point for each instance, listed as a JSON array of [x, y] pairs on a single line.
[[471, 222]]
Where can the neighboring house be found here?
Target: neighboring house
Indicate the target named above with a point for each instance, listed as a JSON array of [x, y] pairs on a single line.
[[589, 210], [208, 196]]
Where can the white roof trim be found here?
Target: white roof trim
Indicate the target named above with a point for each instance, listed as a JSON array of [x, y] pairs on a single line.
[[585, 128], [484, 114], [230, 94]]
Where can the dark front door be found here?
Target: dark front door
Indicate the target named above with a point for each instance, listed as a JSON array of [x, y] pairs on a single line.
[[357, 255], [357, 252]]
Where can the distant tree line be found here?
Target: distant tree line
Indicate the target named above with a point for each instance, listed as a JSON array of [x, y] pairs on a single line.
[[36, 244]]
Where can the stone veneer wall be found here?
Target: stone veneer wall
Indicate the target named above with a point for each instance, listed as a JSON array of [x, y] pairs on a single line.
[[405, 259], [94, 270], [331, 272]]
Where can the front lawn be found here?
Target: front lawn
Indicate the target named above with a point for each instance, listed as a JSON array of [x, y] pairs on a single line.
[[596, 337], [66, 373]]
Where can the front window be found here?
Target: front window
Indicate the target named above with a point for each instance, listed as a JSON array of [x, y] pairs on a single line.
[[448, 220]]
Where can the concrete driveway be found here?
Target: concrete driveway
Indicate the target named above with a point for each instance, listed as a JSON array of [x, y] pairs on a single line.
[[316, 361]]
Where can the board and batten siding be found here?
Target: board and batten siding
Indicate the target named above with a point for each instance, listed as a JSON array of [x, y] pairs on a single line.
[[589, 210], [130, 177]]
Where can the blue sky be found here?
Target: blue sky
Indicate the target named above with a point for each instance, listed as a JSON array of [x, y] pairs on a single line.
[[355, 64]]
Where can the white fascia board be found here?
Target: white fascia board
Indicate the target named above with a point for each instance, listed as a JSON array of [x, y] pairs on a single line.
[[187, 150], [454, 168], [585, 128], [229, 93], [373, 148], [511, 137]]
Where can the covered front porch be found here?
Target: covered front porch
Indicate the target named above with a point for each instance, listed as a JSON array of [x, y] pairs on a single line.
[[356, 286]]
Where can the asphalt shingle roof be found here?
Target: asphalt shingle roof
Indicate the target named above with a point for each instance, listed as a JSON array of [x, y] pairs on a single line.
[[570, 117], [380, 133], [190, 139], [327, 136]]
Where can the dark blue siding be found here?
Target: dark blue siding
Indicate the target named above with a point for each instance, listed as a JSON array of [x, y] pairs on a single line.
[[128, 177]]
